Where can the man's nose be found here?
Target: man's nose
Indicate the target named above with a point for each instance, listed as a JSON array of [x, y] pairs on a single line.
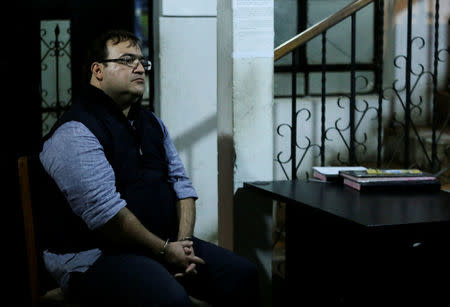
[[139, 68]]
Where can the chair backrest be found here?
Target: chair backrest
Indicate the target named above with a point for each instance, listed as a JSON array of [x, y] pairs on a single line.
[[28, 224], [30, 184]]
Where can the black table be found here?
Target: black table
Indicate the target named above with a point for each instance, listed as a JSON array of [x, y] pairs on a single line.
[[370, 209], [344, 246]]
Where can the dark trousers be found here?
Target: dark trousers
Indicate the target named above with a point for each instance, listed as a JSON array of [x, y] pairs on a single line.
[[132, 279]]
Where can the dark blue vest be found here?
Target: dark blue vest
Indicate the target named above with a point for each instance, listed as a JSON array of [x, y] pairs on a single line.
[[137, 156]]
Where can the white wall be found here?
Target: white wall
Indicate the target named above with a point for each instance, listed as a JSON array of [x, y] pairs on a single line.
[[187, 103], [194, 8], [188, 97], [252, 118]]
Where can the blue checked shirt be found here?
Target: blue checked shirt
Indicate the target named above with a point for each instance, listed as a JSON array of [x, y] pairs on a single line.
[[75, 159]]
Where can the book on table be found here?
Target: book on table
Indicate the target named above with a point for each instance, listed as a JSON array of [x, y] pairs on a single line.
[[331, 173], [411, 185], [390, 179], [383, 173]]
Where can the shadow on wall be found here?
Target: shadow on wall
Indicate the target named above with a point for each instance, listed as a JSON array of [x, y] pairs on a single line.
[[199, 156], [188, 139]]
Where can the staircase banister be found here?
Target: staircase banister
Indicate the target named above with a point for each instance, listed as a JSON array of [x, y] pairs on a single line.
[[318, 28]]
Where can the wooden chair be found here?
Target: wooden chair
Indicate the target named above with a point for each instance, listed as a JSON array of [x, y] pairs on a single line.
[[43, 289]]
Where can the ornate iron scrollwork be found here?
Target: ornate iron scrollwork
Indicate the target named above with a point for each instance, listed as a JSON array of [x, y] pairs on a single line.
[[55, 52], [401, 91]]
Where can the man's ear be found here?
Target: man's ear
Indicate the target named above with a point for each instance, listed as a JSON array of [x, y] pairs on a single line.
[[97, 71]]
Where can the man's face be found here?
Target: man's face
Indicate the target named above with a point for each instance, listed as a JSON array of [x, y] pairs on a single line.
[[119, 80]]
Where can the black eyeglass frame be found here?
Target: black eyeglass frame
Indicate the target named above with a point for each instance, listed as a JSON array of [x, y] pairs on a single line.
[[131, 62]]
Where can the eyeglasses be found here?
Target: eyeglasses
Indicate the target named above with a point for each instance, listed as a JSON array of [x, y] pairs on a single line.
[[131, 61]]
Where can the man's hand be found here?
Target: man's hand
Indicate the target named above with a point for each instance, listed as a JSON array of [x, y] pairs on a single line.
[[191, 269], [181, 254]]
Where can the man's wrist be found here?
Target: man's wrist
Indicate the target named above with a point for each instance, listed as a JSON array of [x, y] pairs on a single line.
[[163, 250], [187, 238]]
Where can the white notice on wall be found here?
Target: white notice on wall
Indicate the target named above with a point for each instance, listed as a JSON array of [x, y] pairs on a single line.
[[253, 28]]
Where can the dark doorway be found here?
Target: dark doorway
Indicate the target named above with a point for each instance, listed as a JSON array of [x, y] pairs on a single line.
[[21, 124]]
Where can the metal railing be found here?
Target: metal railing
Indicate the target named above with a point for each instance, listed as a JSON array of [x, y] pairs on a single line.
[[401, 94]]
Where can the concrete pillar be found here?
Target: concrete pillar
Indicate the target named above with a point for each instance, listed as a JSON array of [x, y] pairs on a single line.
[[244, 101]]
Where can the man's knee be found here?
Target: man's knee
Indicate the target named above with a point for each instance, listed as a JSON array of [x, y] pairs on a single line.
[[177, 299], [244, 285], [242, 278], [246, 270], [168, 296]]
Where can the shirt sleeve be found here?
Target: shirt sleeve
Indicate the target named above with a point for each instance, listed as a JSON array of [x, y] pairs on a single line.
[[177, 174], [75, 159]]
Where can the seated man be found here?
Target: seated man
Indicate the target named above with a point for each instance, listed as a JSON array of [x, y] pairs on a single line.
[[126, 186]]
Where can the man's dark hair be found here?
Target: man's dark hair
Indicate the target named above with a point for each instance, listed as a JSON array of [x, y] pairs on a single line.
[[98, 50]]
